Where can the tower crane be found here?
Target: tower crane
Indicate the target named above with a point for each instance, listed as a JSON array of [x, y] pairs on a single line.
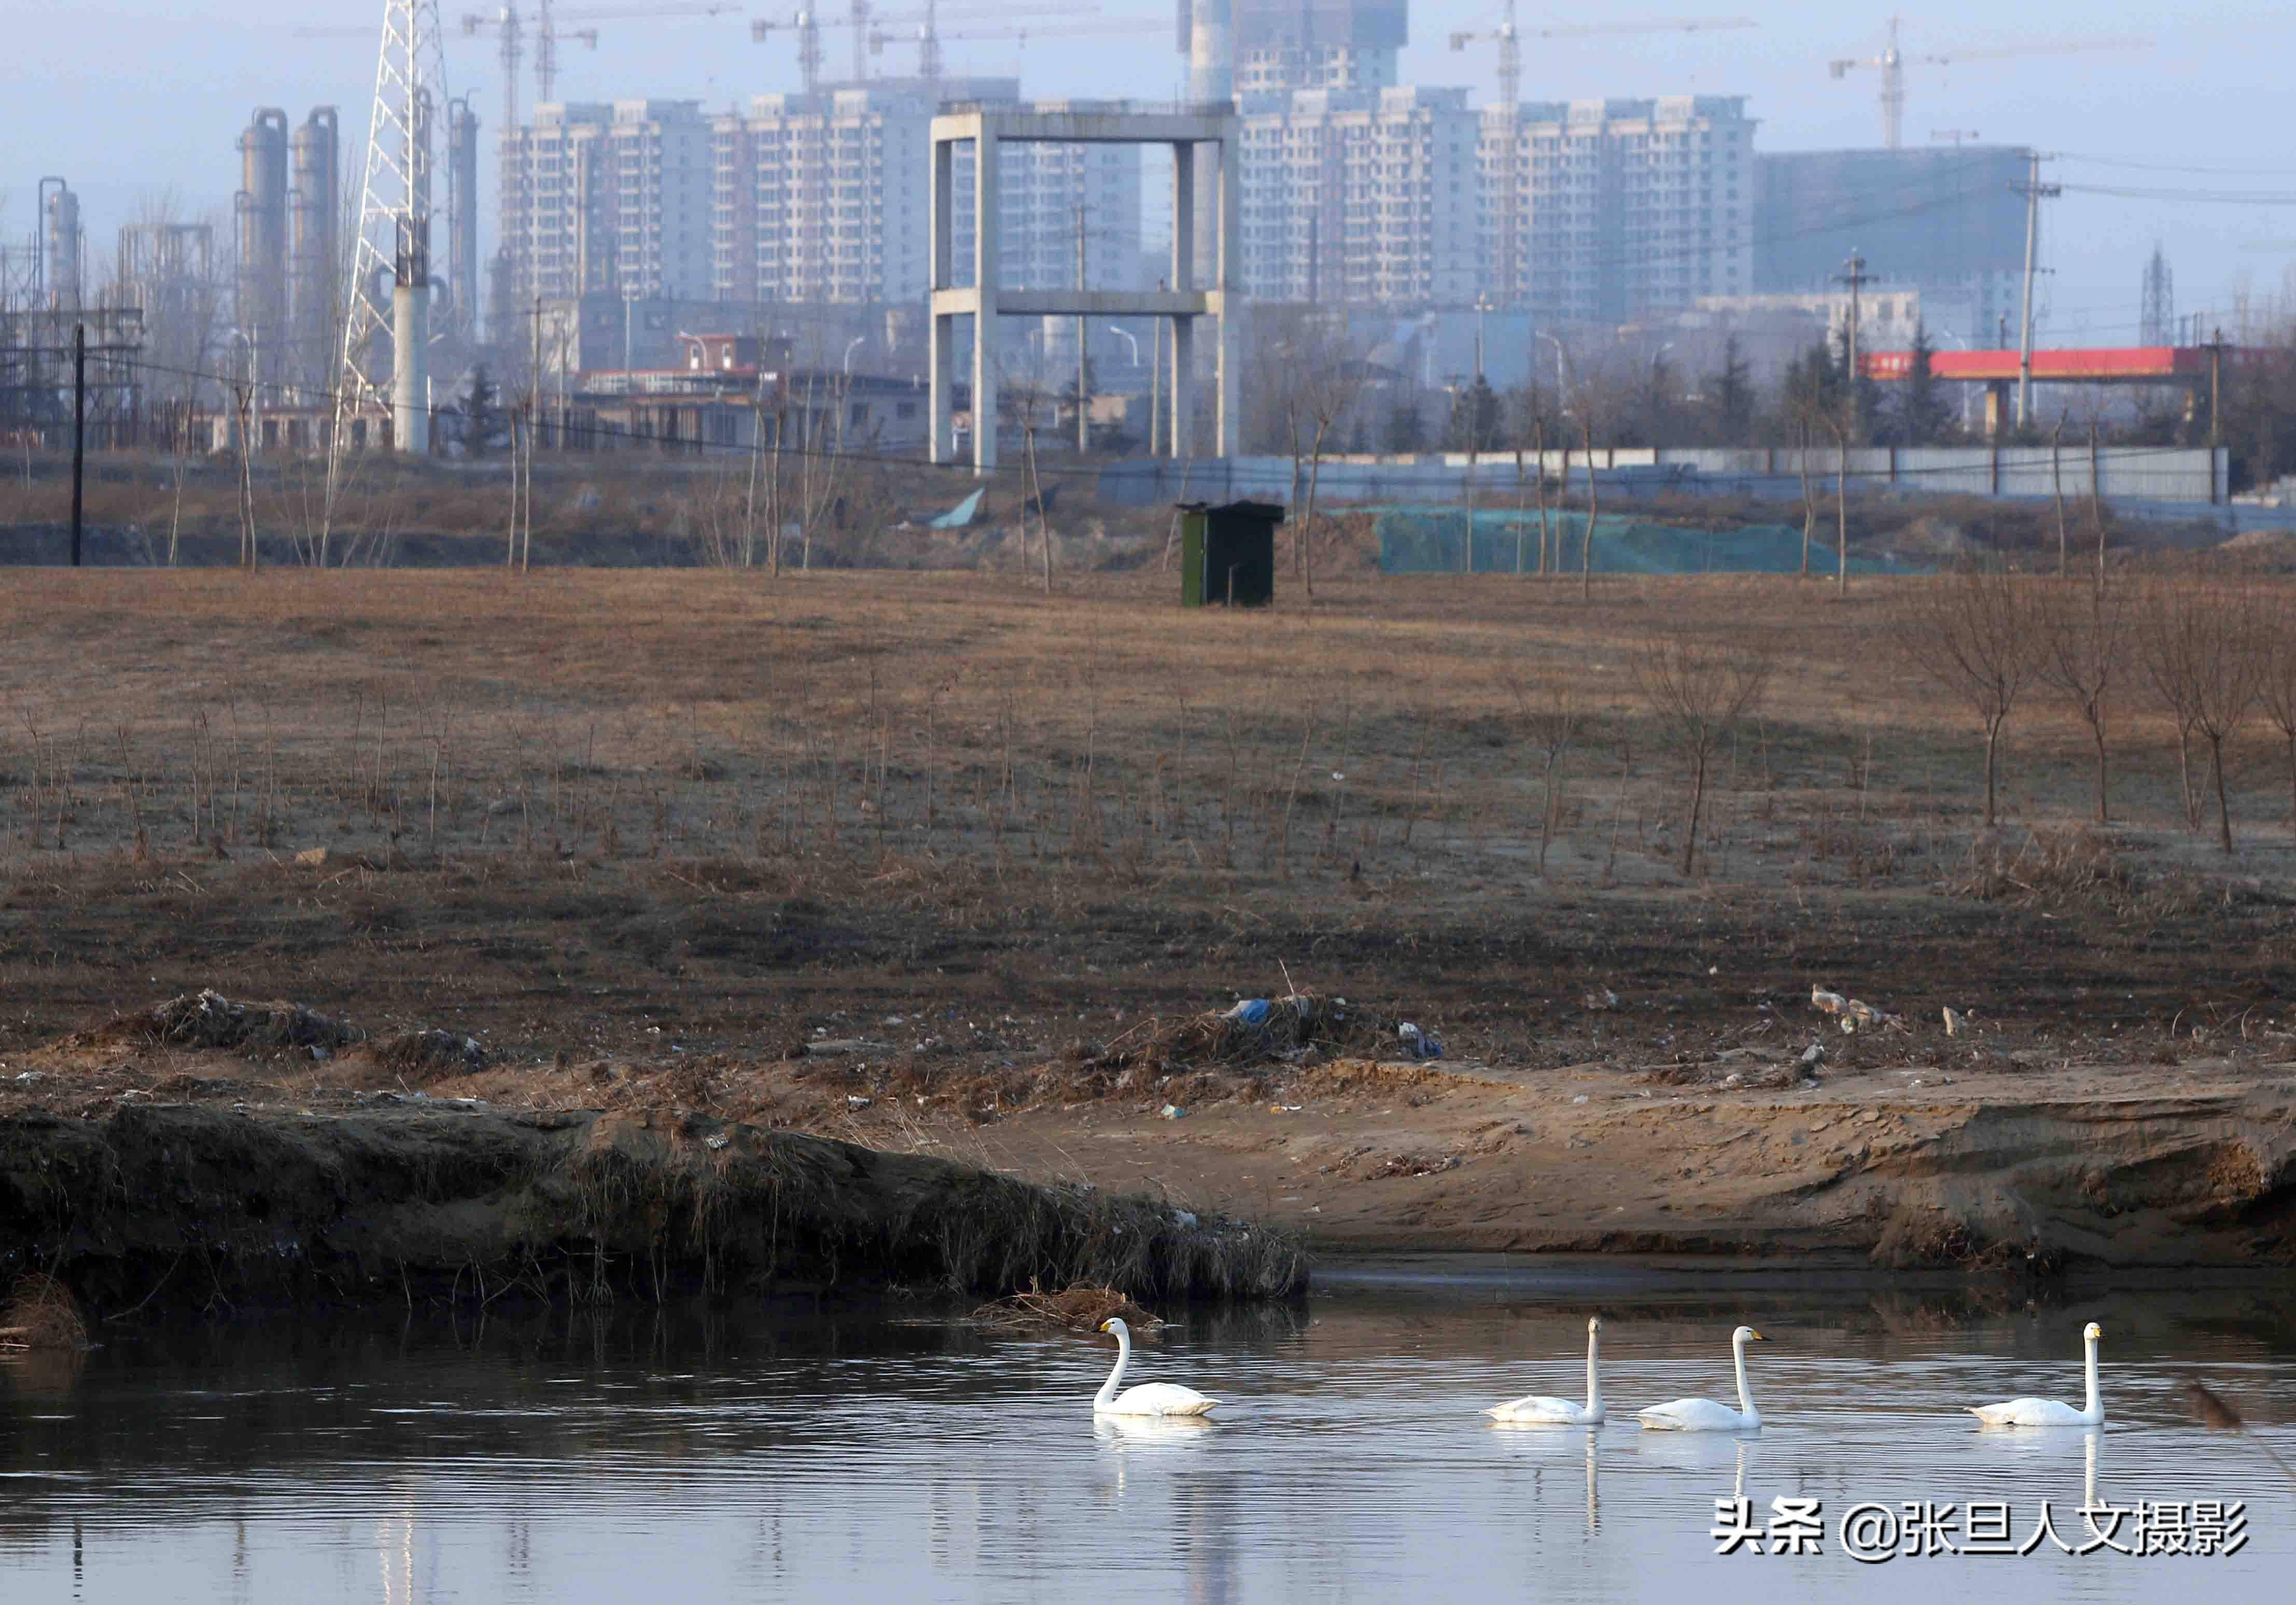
[[928, 38], [511, 29], [1892, 64], [869, 39], [1509, 39]]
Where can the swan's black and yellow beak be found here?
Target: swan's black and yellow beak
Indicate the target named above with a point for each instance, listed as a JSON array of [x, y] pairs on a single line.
[[1105, 1325], [1757, 1337]]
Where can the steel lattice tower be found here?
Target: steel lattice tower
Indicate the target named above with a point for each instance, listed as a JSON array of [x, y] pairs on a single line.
[[2158, 317], [394, 228]]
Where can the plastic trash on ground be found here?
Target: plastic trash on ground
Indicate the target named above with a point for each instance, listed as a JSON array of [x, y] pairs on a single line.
[[1419, 1043]]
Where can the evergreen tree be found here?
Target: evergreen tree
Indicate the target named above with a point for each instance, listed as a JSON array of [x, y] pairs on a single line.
[[1474, 424], [1921, 411], [1731, 394], [1406, 431]]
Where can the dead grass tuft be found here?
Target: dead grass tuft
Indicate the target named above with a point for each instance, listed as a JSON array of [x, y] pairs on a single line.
[[209, 1019], [41, 1313], [1081, 1308], [417, 1057]]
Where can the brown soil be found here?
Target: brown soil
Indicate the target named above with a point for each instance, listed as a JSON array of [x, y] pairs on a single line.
[[646, 840]]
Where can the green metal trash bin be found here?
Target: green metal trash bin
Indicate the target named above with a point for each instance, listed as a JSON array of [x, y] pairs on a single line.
[[1227, 554]]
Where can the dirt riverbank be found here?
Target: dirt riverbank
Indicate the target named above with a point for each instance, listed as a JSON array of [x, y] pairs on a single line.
[[276, 1164], [193, 1195]]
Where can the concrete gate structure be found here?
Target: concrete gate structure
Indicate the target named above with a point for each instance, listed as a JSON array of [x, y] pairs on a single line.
[[1188, 130]]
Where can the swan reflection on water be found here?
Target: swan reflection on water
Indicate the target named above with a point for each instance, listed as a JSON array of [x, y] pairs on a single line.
[[1161, 1430]]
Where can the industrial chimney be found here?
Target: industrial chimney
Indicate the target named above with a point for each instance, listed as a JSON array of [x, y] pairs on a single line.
[[463, 219], [260, 212], [64, 237], [316, 292]]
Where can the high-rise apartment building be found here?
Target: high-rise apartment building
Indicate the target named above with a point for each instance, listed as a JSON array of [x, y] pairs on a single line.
[[609, 197], [1608, 211], [1286, 45], [1358, 196], [817, 198]]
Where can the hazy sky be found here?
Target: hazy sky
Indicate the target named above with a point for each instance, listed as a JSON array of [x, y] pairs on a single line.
[[127, 98]]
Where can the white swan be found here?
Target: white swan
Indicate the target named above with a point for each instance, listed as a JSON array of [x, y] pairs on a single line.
[[1541, 1409], [2049, 1412], [1704, 1415], [1149, 1398]]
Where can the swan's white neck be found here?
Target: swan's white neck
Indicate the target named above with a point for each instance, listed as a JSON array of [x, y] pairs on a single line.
[[1745, 1397], [1594, 1372], [2095, 1407], [1123, 1354]]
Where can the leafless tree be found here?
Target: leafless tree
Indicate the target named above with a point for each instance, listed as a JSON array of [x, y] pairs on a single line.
[[1840, 504], [2083, 642], [1697, 693], [1326, 384], [248, 556], [2057, 486], [1808, 502], [1972, 633], [1587, 546], [1553, 722], [2201, 649], [2276, 682]]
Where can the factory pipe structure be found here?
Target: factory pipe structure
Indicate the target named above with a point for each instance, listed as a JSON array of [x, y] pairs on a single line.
[[259, 210], [463, 219], [60, 222], [315, 264]]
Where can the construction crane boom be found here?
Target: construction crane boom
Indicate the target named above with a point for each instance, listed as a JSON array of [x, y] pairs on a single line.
[[871, 33], [1892, 61]]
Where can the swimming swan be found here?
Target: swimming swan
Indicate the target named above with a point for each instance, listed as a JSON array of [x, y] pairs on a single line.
[[1539, 1408], [2049, 1412], [1704, 1415], [1149, 1398]]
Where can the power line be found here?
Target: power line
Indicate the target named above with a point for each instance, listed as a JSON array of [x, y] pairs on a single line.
[[700, 448]]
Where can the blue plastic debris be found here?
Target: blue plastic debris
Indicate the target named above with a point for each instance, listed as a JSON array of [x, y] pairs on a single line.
[[1419, 1043]]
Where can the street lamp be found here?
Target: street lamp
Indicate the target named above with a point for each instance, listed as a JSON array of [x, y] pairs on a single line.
[[849, 344], [1128, 339], [1561, 390]]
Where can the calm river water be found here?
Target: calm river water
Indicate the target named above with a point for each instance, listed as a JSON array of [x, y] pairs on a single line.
[[724, 1454]]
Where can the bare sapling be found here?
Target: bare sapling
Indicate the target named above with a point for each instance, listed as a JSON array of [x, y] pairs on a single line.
[[2203, 652], [1552, 721], [1841, 506], [2057, 488], [1808, 502], [1698, 693], [2083, 639], [2276, 683], [1587, 546], [1971, 635]]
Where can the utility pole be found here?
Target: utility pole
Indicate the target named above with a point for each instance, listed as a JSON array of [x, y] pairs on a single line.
[[2214, 347], [1155, 377], [1084, 424], [1856, 278], [79, 429], [2036, 192]]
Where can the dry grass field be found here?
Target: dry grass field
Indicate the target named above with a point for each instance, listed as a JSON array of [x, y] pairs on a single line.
[[646, 833], [573, 801]]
